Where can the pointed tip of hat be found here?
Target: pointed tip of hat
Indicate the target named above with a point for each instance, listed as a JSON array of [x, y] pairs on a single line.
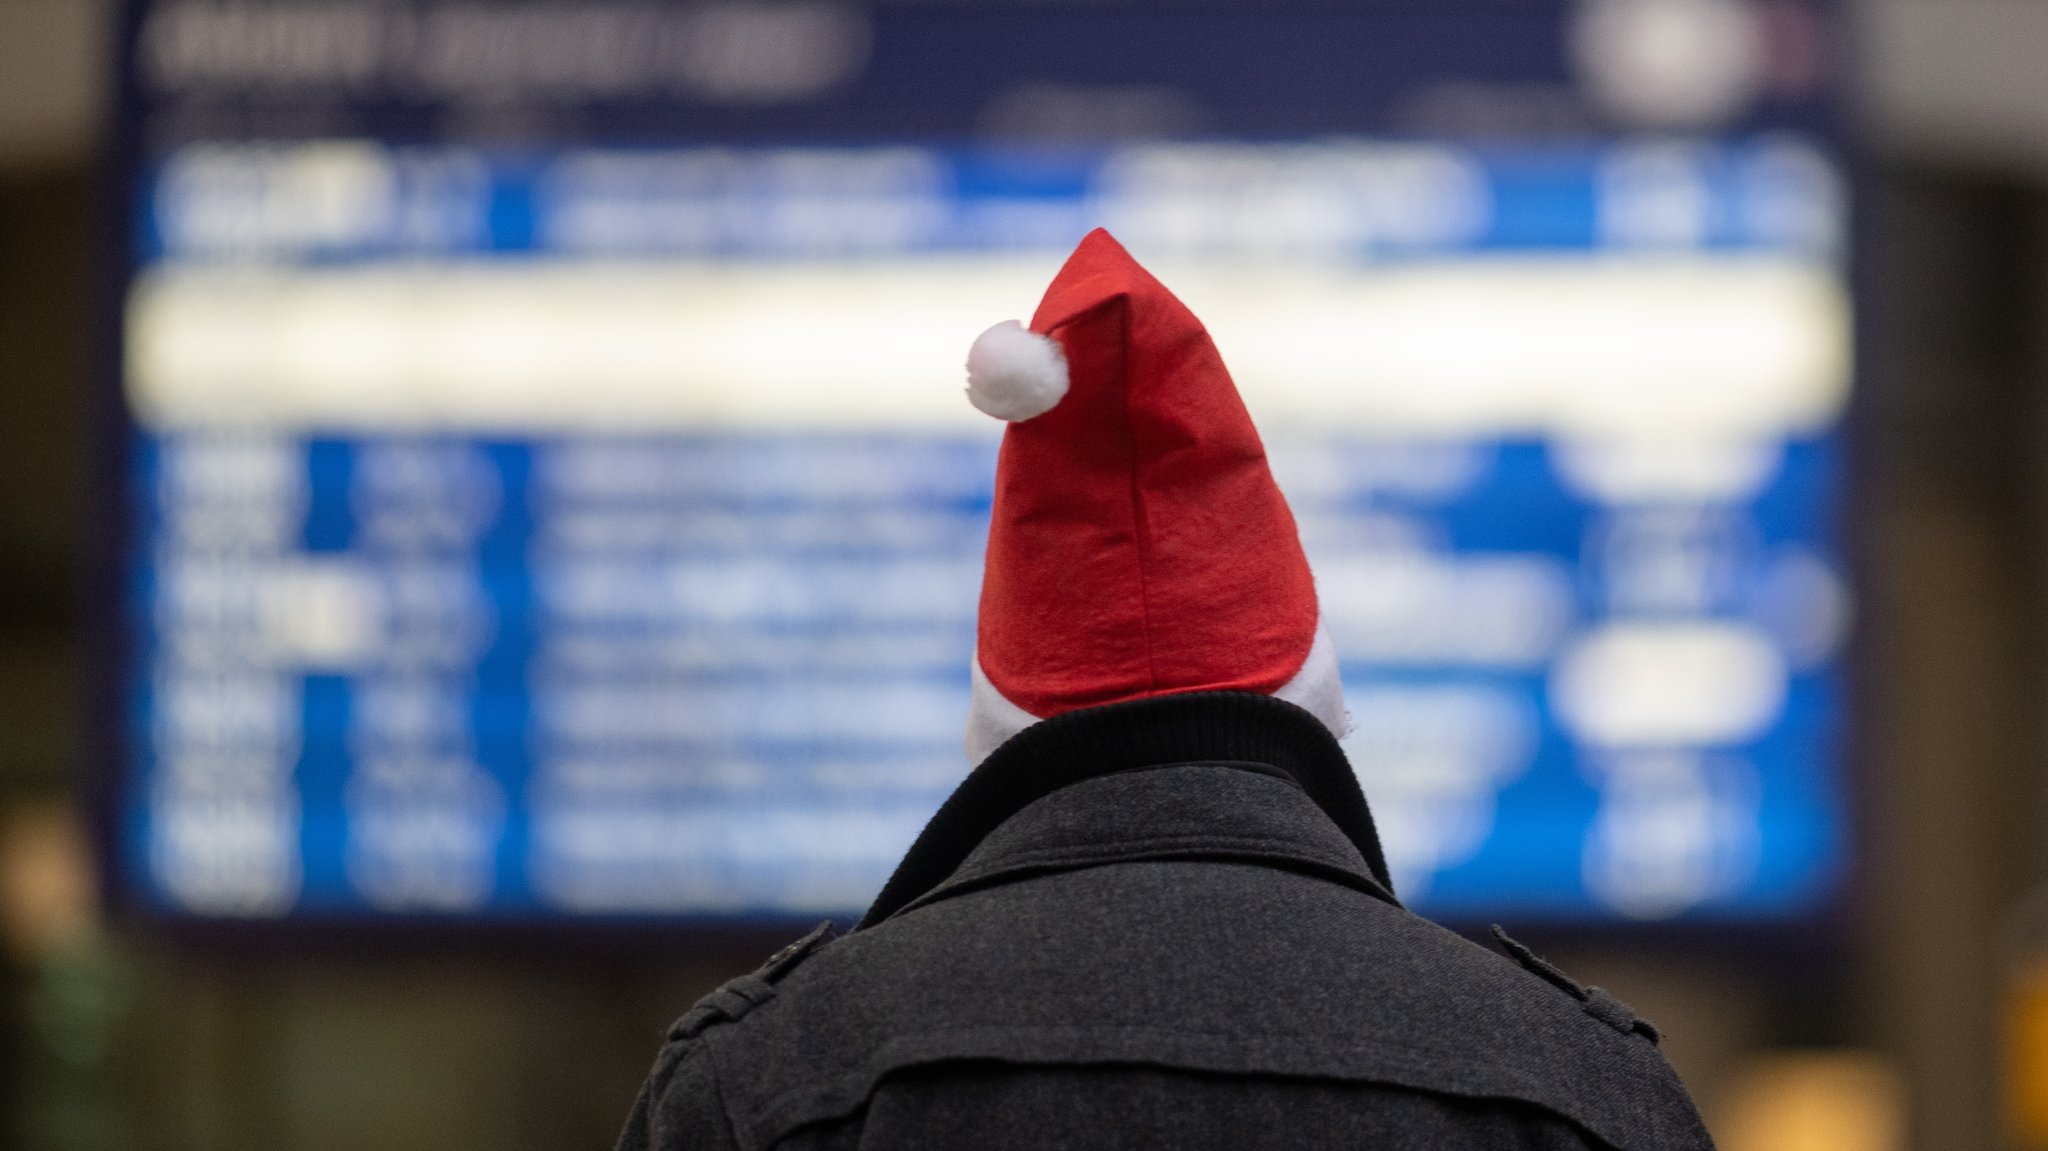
[[1099, 245], [1097, 237], [1098, 269], [1016, 373]]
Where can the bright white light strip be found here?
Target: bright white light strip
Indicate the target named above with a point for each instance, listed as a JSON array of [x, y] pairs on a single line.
[[1684, 345], [1670, 684]]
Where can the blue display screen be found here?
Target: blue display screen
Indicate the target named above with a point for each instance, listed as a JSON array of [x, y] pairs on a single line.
[[584, 527]]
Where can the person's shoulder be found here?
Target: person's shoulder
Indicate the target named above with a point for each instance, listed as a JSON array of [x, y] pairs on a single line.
[[684, 1102], [1584, 1052], [736, 998], [1504, 1000], [1593, 1001]]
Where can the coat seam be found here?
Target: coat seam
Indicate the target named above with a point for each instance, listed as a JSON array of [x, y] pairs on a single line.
[[1140, 519], [849, 1089]]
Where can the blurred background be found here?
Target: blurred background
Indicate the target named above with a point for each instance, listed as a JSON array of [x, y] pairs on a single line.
[[489, 530]]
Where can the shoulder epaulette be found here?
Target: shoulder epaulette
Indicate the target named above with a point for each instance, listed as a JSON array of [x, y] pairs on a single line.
[[1597, 1003], [742, 994]]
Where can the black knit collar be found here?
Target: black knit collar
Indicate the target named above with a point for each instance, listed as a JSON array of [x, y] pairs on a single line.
[[1199, 727]]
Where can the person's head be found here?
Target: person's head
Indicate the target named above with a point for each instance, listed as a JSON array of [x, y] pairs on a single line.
[[1139, 546]]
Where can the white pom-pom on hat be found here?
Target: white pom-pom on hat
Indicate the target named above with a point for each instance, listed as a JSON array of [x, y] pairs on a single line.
[[1013, 373]]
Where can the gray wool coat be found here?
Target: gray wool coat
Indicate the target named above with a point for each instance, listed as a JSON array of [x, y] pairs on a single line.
[[1158, 924]]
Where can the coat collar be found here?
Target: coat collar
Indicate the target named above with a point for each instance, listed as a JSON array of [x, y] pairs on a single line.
[[1284, 754]]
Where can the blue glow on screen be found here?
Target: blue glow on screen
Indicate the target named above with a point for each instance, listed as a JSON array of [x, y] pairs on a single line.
[[590, 531]]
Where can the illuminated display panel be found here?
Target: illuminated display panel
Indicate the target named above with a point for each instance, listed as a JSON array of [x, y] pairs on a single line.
[[588, 524]]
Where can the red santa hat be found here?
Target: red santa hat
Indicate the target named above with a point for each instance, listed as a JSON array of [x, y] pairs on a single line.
[[1139, 546]]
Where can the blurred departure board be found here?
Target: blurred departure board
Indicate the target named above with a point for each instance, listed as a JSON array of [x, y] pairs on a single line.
[[548, 490]]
